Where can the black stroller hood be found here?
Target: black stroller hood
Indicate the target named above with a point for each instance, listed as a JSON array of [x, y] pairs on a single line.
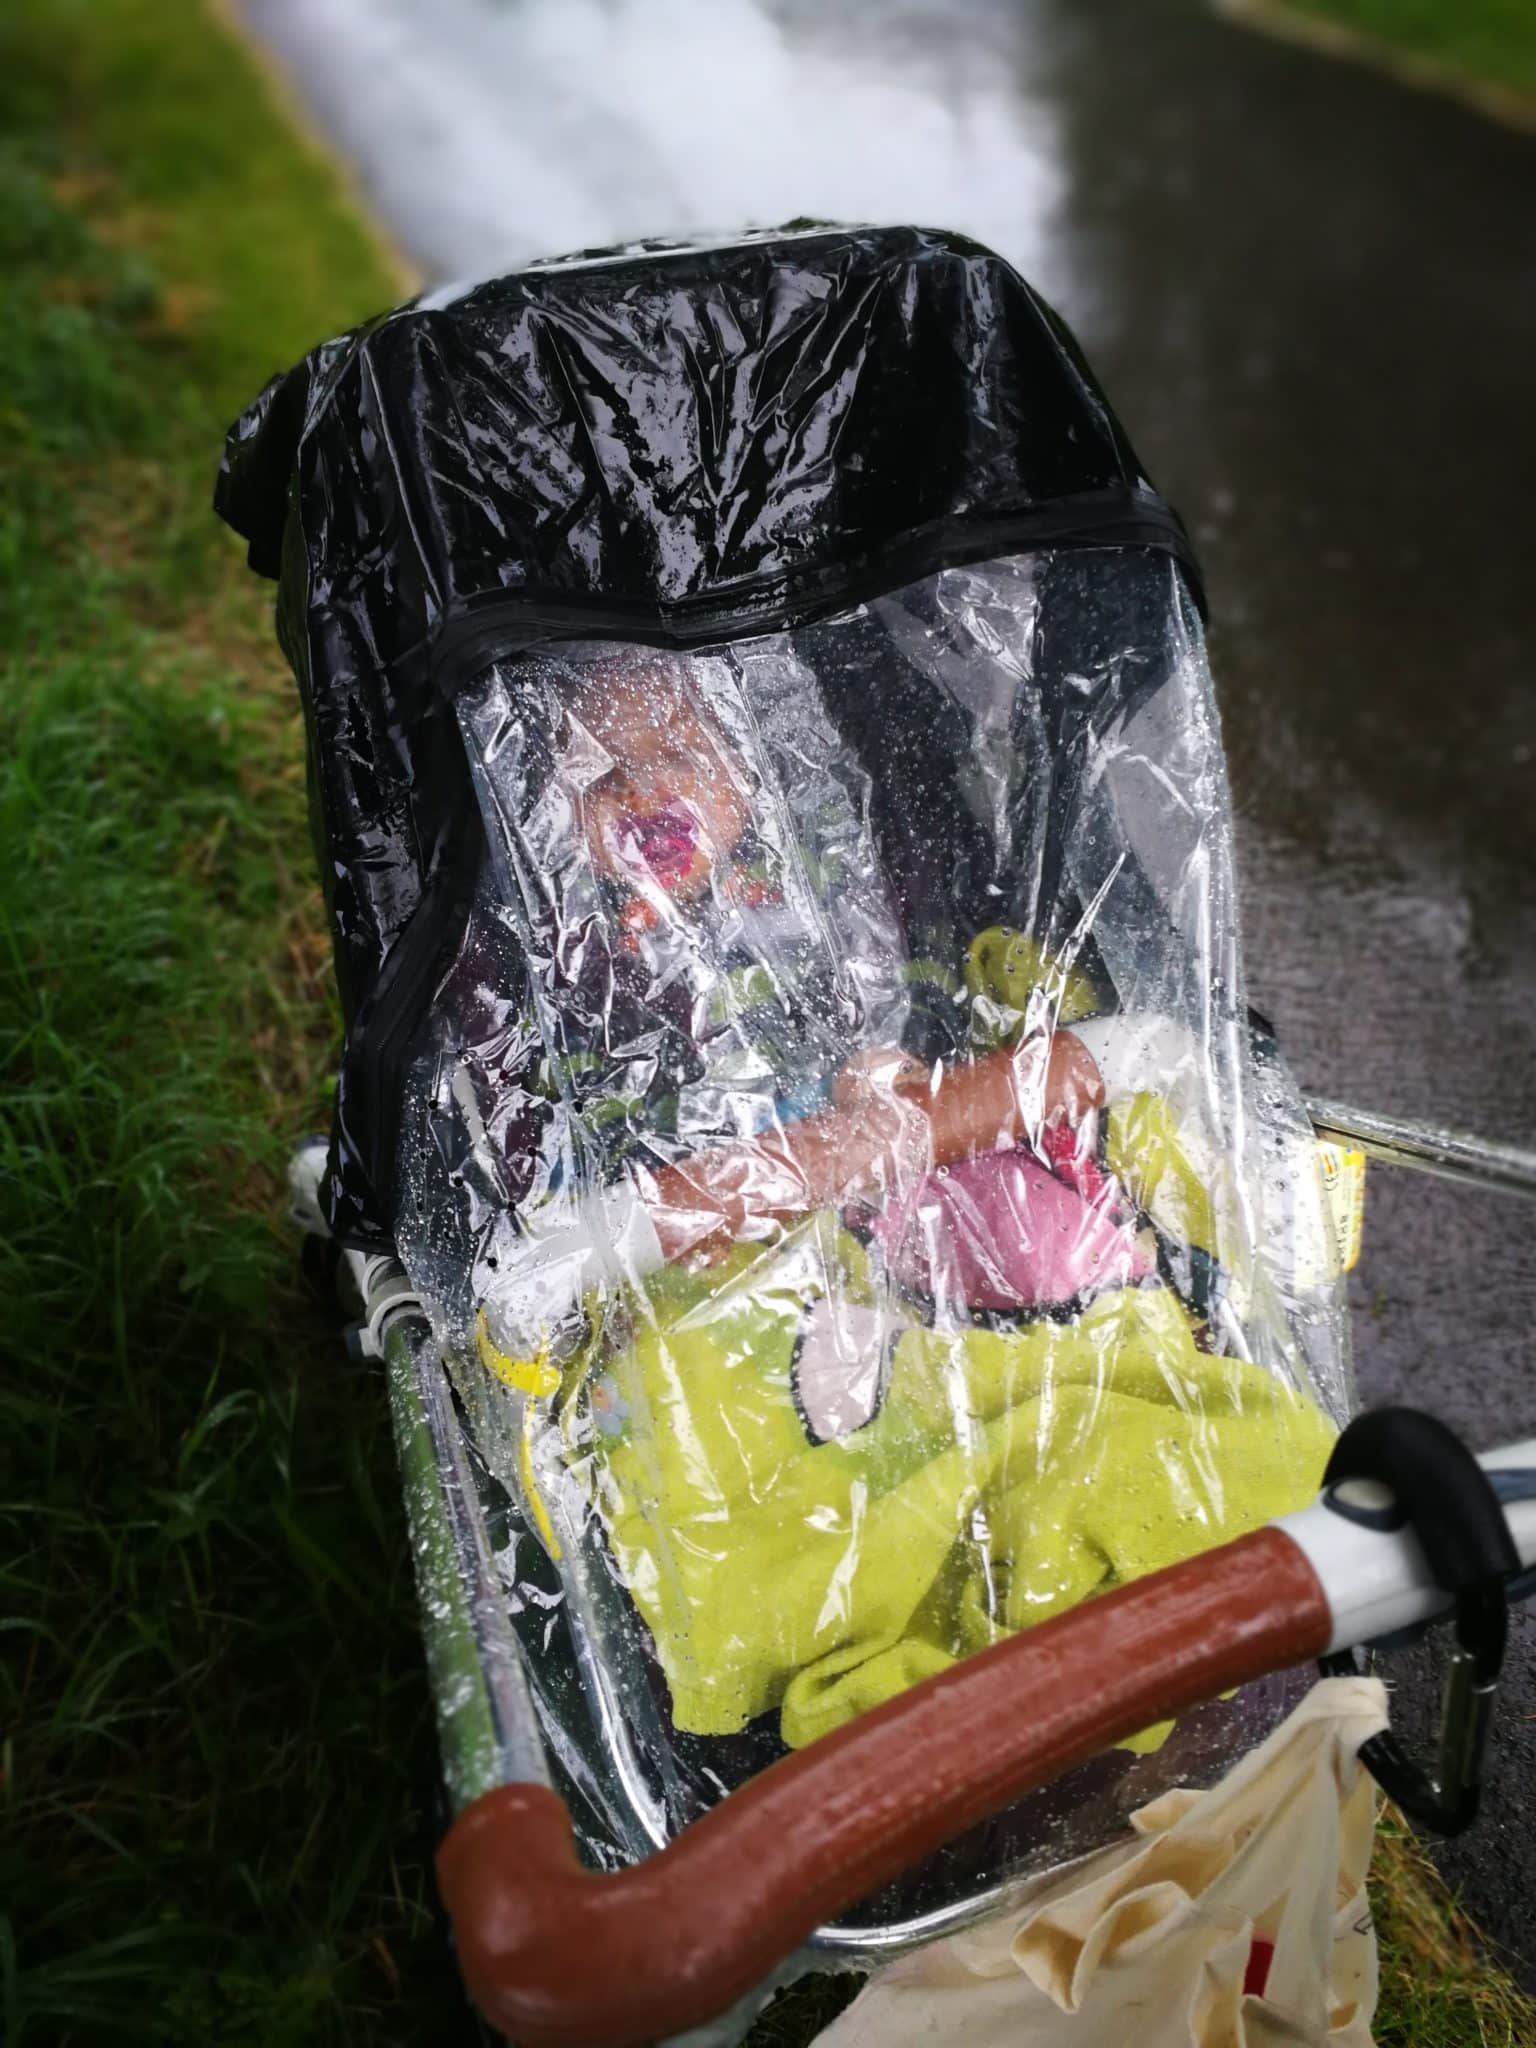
[[672, 445]]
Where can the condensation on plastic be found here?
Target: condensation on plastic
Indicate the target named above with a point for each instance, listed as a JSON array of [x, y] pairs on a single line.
[[858, 1211]]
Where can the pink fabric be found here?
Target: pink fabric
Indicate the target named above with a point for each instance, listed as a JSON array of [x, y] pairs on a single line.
[[1001, 1232]]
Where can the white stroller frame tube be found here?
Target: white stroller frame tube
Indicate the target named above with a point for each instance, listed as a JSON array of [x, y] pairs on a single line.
[[1426, 1148], [1372, 1570]]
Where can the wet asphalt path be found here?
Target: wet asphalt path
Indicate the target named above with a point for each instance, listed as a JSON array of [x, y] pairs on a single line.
[[1311, 294]]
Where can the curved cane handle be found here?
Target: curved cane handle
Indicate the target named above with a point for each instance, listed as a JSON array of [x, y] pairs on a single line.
[[559, 1956]]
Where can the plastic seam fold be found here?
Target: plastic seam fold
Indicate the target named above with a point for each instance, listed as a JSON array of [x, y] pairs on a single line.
[[496, 621]]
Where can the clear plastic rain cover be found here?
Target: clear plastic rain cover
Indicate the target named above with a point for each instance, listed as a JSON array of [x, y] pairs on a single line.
[[859, 1212]]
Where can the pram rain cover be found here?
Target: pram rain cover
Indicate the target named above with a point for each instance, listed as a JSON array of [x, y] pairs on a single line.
[[769, 793]]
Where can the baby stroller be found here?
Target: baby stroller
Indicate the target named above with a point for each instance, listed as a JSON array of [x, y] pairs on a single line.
[[856, 1283]]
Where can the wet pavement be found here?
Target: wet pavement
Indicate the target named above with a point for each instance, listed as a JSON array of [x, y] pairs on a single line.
[[1311, 294]]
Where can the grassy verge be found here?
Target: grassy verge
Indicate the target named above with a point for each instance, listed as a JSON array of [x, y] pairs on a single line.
[[213, 1724], [1494, 40], [211, 1706], [1438, 1988], [1486, 49]]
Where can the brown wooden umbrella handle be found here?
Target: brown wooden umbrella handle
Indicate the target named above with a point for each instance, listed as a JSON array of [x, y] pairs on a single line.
[[556, 1955]]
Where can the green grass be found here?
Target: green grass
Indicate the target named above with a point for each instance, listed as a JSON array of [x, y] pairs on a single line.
[[1439, 1987], [214, 1723], [1484, 41], [214, 1733]]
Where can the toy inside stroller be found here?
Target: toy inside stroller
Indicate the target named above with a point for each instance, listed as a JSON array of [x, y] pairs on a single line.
[[802, 1145]]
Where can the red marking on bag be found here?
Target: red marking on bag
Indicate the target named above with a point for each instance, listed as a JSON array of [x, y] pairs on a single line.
[[1260, 1955]]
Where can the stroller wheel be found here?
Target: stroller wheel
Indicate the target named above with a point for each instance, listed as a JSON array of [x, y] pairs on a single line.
[[319, 1253], [306, 1170], [367, 1288]]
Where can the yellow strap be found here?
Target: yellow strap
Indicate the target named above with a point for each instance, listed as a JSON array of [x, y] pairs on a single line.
[[538, 1378], [1344, 1180], [535, 1376], [545, 1526]]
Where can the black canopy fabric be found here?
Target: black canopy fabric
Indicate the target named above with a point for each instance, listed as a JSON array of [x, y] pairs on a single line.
[[674, 445]]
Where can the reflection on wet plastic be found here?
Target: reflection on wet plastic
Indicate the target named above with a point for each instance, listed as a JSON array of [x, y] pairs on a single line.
[[856, 1209]]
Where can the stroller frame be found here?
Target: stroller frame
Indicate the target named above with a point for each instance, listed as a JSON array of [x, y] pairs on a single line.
[[487, 1720]]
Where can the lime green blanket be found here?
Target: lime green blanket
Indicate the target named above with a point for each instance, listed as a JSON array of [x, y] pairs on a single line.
[[1005, 1477]]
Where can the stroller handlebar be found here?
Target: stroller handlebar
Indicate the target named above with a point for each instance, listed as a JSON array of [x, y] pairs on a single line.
[[558, 1955]]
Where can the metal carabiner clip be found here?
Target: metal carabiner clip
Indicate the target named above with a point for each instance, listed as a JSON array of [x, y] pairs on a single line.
[[1445, 1802], [1442, 1492]]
